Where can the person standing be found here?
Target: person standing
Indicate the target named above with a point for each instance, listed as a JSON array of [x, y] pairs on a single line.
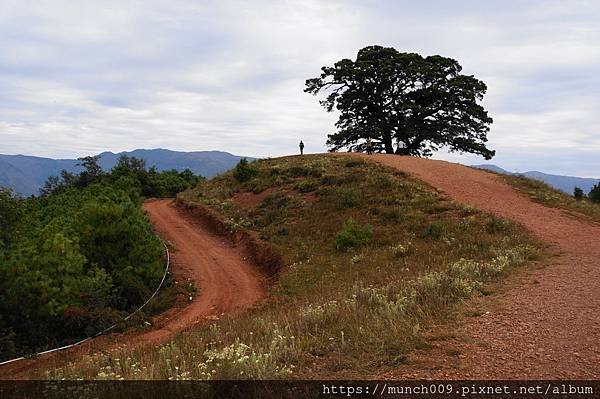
[[369, 146], [301, 148]]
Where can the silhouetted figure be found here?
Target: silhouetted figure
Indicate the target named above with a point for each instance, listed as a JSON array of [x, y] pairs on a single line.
[[369, 146], [301, 148]]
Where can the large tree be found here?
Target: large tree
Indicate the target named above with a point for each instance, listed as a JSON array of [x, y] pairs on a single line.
[[405, 103]]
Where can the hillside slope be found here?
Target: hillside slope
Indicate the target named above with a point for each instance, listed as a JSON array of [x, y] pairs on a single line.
[[27, 174], [372, 259], [547, 325]]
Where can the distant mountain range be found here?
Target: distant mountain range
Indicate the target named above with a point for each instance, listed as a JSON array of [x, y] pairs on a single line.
[[27, 174], [563, 183]]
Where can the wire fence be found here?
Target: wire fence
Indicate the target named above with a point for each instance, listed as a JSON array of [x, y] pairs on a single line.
[[164, 277]]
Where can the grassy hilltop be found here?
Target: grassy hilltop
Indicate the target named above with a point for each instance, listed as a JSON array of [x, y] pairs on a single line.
[[372, 257]]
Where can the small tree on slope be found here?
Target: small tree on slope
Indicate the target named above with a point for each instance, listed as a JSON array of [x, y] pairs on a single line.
[[594, 194]]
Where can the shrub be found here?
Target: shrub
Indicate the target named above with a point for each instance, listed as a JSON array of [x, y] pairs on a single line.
[[306, 186], [257, 185], [436, 230], [347, 198], [578, 193], [594, 194], [275, 171], [351, 163], [277, 200], [496, 225], [353, 235], [244, 171], [383, 181], [299, 171], [392, 215]]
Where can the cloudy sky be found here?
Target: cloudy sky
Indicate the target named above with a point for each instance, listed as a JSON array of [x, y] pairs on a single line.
[[78, 78]]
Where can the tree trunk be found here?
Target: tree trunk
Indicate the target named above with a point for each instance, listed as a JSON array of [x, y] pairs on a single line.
[[387, 144]]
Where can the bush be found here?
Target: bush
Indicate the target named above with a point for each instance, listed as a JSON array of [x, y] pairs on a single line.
[[353, 235], [594, 194], [347, 198], [298, 171], [277, 200], [496, 225], [436, 230], [244, 171], [578, 193], [383, 181], [331, 180], [306, 186], [351, 163]]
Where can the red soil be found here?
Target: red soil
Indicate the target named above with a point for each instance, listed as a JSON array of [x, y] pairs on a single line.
[[544, 324]]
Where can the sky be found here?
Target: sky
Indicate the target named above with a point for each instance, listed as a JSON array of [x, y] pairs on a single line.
[[79, 78]]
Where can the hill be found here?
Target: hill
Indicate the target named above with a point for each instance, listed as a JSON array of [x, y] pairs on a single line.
[[27, 174], [371, 258], [562, 183]]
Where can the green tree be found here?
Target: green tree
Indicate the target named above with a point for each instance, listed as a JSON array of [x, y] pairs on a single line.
[[578, 193], [77, 259], [130, 166], [44, 278], [244, 171], [10, 212], [594, 194], [92, 171], [52, 185], [55, 184], [405, 103]]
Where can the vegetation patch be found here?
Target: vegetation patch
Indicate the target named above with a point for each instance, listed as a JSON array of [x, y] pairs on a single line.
[[544, 194], [347, 197], [80, 257], [243, 171], [353, 235]]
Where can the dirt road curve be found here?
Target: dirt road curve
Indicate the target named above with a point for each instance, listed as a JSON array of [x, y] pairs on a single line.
[[548, 322], [224, 282]]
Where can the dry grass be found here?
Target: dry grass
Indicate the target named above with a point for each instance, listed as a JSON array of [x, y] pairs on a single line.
[[333, 312], [544, 194]]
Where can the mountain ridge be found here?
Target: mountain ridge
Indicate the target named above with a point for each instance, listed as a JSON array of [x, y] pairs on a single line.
[[564, 183], [26, 174]]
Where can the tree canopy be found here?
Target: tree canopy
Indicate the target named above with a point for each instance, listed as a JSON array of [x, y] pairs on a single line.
[[129, 174], [406, 103], [594, 194], [77, 258]]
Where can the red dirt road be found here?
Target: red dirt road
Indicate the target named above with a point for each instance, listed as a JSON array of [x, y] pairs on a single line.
[[545, 324], [224, 280]]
